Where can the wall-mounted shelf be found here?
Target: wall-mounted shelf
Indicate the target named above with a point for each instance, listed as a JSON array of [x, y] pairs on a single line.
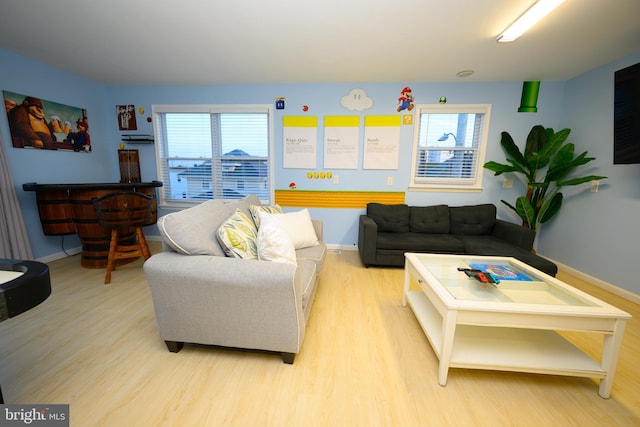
[[137, 139]]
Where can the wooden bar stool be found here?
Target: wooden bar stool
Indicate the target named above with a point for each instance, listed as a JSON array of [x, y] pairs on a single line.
[[124, 213]]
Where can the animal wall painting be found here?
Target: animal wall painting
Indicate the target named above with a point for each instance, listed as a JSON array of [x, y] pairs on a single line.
[[46, 125]]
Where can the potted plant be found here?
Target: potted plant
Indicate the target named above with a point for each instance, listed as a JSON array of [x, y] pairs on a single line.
[[546, 164]]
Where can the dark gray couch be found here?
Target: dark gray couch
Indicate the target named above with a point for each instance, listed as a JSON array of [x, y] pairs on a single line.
[[386, 232]]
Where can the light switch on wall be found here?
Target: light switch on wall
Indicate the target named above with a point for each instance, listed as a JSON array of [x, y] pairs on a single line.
[[389, 180]]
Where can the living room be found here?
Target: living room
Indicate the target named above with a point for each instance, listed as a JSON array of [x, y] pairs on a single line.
[[592, 237]]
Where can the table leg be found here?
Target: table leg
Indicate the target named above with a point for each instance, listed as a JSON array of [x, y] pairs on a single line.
[[610, 353], [407, 281], [448, 333]]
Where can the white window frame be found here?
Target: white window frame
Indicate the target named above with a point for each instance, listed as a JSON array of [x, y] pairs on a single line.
[[472, 184], [159, 109]]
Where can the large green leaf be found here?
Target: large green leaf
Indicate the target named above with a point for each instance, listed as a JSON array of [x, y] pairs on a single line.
[[511, 148], [557, 138], [526, 211], [550, 208], [562, 163], [554, 141], [582, 180], [536, 139], [537, 161], [500, 168], [509, 205], [582, 159]]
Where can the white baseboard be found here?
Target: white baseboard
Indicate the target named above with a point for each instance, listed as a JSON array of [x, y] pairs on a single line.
[[60, 255], [616, 290], [340, 248]]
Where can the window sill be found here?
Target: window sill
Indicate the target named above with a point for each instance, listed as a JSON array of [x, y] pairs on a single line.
[[445, 189]]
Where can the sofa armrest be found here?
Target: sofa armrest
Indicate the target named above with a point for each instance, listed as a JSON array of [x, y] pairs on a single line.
[[367, 240], [514, 234], [226, 301]]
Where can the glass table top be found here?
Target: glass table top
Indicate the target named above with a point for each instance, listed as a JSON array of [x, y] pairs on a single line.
[[518, 283]]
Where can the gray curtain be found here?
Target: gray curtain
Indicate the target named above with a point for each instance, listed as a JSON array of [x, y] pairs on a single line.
[[14, 242]]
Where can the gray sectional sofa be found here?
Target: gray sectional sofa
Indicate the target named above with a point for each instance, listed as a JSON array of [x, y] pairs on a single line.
[[202, 294], [386, 232]]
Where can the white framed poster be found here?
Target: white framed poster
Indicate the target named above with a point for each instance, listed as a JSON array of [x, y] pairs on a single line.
[[341, 139], [381, 142], [300, 142]]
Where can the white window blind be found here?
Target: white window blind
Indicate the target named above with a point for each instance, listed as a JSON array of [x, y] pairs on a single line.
[[213, 152], [449, 146]]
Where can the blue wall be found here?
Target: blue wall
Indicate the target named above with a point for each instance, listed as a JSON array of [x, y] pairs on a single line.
[[583, 104], [341, 224], [597, 233]]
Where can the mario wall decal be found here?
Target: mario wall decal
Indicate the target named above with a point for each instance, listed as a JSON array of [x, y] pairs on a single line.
[[81, 140], [405, 102]]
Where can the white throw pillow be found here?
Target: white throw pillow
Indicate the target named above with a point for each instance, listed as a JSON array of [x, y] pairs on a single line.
[[297, 225], [274, 209], [275, 245]]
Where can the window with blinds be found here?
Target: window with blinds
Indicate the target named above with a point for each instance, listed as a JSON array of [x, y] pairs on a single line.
[[449, 146], [213, 152]]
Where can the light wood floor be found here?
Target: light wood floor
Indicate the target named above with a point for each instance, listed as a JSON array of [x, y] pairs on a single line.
[[364, 362]]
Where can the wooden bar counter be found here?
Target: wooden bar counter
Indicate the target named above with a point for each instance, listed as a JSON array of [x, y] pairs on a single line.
[[68, 209]]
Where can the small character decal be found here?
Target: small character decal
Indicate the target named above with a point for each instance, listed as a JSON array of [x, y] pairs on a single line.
[[405, 102], [81, 140]]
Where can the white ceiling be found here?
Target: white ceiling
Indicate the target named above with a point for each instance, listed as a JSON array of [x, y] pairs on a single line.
[[140, 42]]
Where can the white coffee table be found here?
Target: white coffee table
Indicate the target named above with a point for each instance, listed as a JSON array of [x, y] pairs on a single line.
[[509, 326]]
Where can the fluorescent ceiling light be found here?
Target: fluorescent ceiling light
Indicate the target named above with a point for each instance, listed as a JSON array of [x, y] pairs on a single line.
[[528, 19]]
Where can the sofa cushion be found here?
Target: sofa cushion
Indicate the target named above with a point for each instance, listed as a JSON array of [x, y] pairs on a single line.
[[193, 231], [472, 220], [274, 244], [244, 204], [238, 236], [254, 209], [420, 242], [429, 219], [298, 226], [389, 218], [316, 254]]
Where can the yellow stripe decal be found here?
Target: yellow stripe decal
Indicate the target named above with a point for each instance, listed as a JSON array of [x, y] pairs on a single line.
[[336, 199]]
